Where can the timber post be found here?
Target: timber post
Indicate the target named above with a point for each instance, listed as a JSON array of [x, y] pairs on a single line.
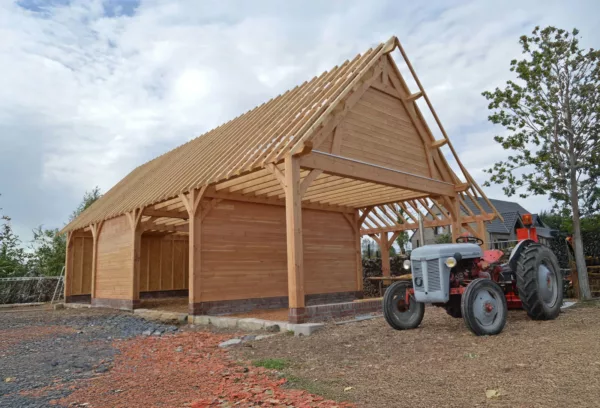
[[95, 228], [384, 247], [192, 202], [293, 221], [358, 248], [69, 256], [134, 218]]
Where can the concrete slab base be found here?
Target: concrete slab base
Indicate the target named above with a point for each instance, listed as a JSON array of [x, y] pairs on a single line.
[[161, 315], [78, 305], [13, 305], [251, 324]]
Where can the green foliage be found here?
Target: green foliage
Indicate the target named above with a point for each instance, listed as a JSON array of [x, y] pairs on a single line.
[[392, 251], [48, 251], [12, 256], [552, 115], [49, 247], [402, 238], [444, 238], [271, 363], [89, 198], [564, 223]]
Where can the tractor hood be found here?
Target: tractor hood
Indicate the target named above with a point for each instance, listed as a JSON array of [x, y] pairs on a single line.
[[437, 251]]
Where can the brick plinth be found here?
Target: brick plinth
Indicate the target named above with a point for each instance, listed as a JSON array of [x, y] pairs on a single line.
[[160, 294], [297, 315], [224, 307], [78, 299]]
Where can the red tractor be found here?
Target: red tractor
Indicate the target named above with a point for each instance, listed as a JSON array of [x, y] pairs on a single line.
[[474, 284]]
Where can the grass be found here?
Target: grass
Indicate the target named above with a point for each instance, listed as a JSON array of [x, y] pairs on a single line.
[[271, 363], [332, 389]]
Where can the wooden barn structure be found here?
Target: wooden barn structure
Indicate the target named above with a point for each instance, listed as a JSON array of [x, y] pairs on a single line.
[[268, 210]]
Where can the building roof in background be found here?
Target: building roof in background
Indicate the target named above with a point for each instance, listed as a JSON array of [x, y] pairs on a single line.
[[511, 212]]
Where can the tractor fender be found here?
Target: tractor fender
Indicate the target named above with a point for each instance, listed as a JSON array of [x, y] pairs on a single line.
[[516, 252]]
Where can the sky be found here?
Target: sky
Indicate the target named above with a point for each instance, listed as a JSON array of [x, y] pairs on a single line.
[[91, 89]]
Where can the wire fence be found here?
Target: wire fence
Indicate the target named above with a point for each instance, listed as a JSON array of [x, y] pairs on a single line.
[[30, 289]]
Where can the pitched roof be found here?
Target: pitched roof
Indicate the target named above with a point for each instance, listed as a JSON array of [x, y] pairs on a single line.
[[265, 134], [511, 212], [501, 205]]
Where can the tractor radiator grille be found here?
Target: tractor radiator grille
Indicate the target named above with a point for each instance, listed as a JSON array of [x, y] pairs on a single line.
[[433, 275], [417, 272]]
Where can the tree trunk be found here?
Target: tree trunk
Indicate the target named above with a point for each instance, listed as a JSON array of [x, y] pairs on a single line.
[[584, 285]]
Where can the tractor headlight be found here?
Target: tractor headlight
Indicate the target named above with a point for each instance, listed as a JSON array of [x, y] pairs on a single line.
[[450, 262], [406, 264]]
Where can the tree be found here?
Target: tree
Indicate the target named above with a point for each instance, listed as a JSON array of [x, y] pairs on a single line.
[[49, 248], [444, 238], [12, 256], [402, 238], [564, 224], [552, 115], [89, 198]]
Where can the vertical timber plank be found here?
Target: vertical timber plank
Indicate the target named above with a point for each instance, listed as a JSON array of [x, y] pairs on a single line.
[[192, 202]]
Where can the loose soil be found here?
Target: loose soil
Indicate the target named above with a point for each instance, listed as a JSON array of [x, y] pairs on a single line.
[[99, 358], [441, 364]]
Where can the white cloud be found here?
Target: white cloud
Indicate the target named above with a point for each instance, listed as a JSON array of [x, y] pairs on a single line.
[[91, 89]]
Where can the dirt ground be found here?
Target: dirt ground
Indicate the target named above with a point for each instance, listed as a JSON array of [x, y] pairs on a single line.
[[99, 358], [441, 364]]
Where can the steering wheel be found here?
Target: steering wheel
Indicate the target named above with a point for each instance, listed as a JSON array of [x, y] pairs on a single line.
[[469, 240]]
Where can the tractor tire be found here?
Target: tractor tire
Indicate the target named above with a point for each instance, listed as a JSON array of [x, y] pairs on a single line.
[[453, 307], [484, 308], [397, 314], [539, 282]]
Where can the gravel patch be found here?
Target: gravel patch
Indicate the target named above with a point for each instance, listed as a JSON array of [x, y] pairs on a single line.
[[40, 348]]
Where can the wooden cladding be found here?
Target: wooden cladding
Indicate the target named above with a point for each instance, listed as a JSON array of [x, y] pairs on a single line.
[[114, 273], [81, 266], [244, 252], [378, 130], [164, 263]]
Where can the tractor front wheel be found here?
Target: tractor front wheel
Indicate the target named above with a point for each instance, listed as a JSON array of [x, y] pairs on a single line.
[[397, 312], [484, 308], [539, 282]]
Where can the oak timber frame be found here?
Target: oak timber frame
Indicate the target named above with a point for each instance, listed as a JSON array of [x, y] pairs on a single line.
[[323, 166]]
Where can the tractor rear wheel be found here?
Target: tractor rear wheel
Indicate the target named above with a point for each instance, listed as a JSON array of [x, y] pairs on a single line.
[[484, 308], [539, 282], [397, 312]]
